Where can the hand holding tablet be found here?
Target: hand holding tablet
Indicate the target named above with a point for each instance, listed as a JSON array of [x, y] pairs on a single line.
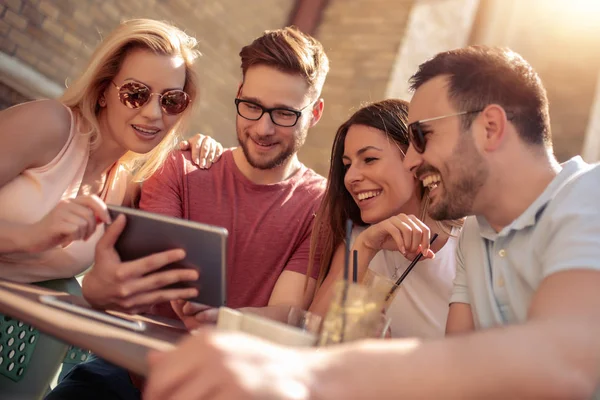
[[145, 259]]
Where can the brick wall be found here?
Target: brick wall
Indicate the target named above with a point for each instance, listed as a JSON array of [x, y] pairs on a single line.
[[361, 38], [56, 37]]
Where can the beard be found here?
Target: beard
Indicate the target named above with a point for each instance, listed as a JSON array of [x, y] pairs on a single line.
[[287, 147], [469, 174]]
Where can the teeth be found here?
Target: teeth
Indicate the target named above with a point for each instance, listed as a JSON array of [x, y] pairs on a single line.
[[432, 181], [148, 131], [368, 195]]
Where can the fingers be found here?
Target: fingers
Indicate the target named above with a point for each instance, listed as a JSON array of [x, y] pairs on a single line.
[[171, 370], [156, 280], [425, 236], [96, 205], [145, 265], [415, 234], [144, 300], [218, 152], [191, 308], [111, 234], [84, 217], [209, 316], [211, 152], [184, 145], [196, 143]]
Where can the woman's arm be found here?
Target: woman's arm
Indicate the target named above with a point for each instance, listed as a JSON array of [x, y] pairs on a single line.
[[31, 135]]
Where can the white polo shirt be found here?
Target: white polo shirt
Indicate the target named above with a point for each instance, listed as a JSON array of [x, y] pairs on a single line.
[[498, 273]]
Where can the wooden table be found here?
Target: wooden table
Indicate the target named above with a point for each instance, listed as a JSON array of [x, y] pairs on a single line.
[[124, 347]]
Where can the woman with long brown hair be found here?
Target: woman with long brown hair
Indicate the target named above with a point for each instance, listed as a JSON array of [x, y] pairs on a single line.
[[368, 184]]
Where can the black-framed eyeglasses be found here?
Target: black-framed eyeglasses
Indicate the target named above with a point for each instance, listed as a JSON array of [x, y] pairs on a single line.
[[280, 116], [415, 130], [136, 94]]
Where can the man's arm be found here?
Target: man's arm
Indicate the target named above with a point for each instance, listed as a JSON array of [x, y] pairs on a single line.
[[460, 319], [290, 286], [460, 316], [556, 354]]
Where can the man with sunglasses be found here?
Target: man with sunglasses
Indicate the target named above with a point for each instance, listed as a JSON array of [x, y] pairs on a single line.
[[525, 315]]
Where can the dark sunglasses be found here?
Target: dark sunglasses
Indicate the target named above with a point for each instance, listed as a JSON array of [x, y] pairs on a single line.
[[415, 130], [136, 94]]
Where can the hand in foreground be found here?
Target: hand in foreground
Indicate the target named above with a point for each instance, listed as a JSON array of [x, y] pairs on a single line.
[[71, 220], [404, 233], [217, 365], [205, 150], [194, 315], [133, 286]]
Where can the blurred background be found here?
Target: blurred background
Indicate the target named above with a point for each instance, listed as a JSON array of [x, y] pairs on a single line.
[[373, 46]]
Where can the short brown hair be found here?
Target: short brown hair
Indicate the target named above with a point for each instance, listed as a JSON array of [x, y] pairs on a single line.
[[289, 50], [482, 75]]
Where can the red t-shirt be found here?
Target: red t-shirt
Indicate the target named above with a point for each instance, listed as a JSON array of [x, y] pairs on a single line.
[[269, 225]]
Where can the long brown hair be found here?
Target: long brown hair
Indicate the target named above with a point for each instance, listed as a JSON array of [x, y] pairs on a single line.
[[389, 116]]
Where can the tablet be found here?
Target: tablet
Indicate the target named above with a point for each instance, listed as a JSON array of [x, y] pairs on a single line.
[[205, 247], [68, 305]]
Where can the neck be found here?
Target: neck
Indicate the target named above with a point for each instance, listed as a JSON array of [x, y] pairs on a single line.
[[510, 192], [265, 176], [106, 154]]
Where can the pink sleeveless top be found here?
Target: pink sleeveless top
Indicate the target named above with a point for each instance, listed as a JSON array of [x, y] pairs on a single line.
[[35, 192]]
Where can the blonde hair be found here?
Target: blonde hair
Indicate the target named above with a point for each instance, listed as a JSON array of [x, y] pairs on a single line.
[[82, 95]]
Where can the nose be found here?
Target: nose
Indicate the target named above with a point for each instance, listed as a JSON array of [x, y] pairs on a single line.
[[265, 126], [353, 175], [152, 110], [412, 159]]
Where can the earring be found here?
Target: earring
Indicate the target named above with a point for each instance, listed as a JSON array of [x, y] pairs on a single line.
[[102, 101]]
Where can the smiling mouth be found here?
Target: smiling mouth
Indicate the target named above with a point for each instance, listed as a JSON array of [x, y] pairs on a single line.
[[263, 144], [146, 132], [368, 195], [432, 181]]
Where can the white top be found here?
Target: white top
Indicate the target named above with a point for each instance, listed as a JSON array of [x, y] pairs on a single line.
[[420, 308]]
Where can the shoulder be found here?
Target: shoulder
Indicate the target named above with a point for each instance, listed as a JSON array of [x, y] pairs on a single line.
[[45, 117], [577, 197], [312, 184], [47, 123]]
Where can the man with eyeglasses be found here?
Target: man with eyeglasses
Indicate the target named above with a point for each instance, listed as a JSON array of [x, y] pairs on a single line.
[[524, 318], [259, 191]]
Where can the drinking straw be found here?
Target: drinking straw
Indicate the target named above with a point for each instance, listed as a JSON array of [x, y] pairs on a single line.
[[347, 255], [355, 266], [409, 268], [346, 273]]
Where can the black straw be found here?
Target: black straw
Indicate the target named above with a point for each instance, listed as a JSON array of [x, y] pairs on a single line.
[[346, 273], [347, 258], [355, 266], [409, 268]]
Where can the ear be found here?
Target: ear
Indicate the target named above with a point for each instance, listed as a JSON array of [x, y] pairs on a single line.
[[495, 124], [102, 100], [317, 112]]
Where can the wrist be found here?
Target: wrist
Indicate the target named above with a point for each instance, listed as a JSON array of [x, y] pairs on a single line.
[[364, 251], [326, 375]]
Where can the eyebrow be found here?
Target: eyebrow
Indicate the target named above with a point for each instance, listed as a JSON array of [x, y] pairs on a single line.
[[277, 105], [137, 80], [363, 150]]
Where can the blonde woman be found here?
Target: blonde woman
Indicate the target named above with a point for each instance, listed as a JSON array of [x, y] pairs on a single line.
[[110, 130]]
